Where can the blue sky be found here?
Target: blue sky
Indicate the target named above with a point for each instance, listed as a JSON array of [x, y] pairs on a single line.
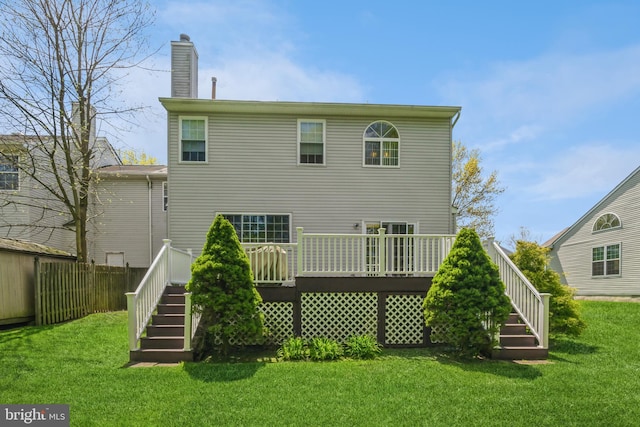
[[549, 90]]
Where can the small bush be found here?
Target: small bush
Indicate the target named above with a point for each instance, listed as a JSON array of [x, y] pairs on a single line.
[[294, 348], [362, 347], [324, 349]]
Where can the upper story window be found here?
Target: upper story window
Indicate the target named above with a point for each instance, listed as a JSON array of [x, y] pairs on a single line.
[[381, 145], [606, 222], [193, 139], [259, 228], [9, 175], [165, 196], [311, 145]]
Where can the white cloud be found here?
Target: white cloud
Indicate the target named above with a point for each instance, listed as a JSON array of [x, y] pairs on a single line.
[[587, 170], [543, 93]]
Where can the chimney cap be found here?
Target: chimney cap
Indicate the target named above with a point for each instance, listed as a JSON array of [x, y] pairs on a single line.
[[184, 38]]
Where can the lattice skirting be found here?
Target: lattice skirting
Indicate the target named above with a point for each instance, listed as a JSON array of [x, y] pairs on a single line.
[[339, 315], [404, 320], [278, 319]]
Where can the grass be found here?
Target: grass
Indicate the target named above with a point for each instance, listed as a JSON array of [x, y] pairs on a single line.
[[593, 380]]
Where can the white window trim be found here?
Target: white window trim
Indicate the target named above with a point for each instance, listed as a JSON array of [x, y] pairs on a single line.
[[381, 140], [206, 140], [324, 142], [604, 230], [18, 172], [290, 215], [165, 196], [605, 245]]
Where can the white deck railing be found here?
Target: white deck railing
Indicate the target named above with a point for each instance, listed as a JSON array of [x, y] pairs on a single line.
[[370, 254], [531, 305], [171, 266]]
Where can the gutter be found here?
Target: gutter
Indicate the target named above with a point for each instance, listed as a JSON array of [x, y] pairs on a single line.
[[149, 186]]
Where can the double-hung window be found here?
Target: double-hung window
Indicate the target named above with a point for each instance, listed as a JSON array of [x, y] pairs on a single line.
[[165, 196], [193, 139], [605, 260], [259, 228], [311, 142], [381, 145], [9, 175]]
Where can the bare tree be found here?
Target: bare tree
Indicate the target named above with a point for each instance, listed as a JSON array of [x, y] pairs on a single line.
[[474, 193], [61, 62]]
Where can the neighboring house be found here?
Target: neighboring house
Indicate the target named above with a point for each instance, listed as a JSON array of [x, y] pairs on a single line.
[[128, 218], [132, 221], [600, 253], [270, 167]]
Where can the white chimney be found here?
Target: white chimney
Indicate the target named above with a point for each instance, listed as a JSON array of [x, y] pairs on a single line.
[[184, 68]]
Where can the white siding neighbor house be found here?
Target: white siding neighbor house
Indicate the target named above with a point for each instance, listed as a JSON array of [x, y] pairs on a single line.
[[600, 253], [127, 221], [270, 167]]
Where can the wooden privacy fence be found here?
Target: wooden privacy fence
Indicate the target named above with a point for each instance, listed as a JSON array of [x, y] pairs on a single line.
[[67, 291]]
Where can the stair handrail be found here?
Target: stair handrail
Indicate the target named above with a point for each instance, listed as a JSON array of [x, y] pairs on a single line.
[[532, 306], [143, 301]]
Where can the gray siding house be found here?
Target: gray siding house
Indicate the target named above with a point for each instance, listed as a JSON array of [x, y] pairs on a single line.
[[600, 253], [127, 220], [130, 214], [270, 167]]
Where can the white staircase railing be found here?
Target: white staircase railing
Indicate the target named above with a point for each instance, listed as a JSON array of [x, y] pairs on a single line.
[[171, 266], [531, 305]]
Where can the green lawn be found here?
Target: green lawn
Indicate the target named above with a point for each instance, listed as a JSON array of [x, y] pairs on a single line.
[[594, 380]]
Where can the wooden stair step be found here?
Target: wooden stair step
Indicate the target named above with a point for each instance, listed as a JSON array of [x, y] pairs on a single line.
[[520, 353], [513, 329], [161, 356], [165, 330], [518, 340], [168, 319], [162, 342], [171, 309]]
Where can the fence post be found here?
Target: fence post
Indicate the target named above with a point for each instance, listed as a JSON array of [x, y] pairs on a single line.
[[38, 286], [167, 244], [382, 245], [131, 320], [187, 321], [544, 313], [301, 253]]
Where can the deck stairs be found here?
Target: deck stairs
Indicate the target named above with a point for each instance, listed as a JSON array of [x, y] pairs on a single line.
[[164, 340], [517, 343]]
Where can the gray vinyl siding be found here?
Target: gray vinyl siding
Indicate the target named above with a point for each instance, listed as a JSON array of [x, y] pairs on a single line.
[[252, 168], [572, 254], [122, 222]]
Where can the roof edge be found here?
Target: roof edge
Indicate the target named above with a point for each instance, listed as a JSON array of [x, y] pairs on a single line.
[[192, 105]]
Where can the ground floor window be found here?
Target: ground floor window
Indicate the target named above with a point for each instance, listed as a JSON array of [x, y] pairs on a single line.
[[605, 260], [256, 228]]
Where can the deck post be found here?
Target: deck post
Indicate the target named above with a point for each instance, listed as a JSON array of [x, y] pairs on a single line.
[[168, 279], [131, 316], [544, 309], [187, 321], [382, 245], [301, 250]]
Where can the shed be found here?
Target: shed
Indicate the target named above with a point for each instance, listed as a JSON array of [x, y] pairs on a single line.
[[17, 284]]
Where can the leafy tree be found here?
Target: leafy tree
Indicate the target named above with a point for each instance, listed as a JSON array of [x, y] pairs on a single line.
[[60, 65], [133, 157], [466, 304], [474, 194], [564, 312], [222, 286]]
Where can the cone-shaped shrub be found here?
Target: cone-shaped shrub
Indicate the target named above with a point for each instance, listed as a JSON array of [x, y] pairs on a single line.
[[564, 312], [222, 287], [466, 304]]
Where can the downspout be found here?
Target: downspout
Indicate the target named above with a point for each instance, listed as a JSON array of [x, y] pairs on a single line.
[[149, 186]]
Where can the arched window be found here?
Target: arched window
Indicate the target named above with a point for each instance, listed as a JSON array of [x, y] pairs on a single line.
[[381, 145], [606, 222]]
